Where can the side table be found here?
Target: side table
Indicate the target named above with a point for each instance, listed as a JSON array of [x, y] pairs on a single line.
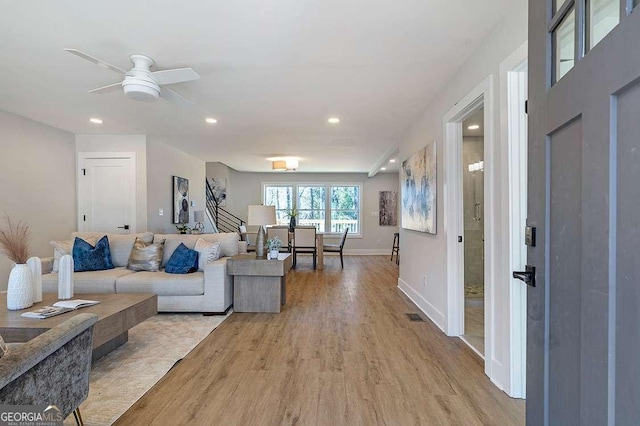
[[259, 285]]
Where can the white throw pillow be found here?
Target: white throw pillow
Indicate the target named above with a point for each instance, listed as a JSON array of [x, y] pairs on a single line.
[[60, 248], [207, 252]]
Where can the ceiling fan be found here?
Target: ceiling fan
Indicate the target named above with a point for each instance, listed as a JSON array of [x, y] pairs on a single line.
[[142, 84]]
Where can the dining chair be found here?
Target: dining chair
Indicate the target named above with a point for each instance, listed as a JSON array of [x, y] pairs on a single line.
[[245, 237], [282, 232], [304, 241], [337, 248]]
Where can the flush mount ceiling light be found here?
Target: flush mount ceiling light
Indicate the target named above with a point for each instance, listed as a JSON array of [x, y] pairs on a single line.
[[95, 120], [211, 120], [474, 127], [333, 120], [383, 168], [285, 164], [393, 160]]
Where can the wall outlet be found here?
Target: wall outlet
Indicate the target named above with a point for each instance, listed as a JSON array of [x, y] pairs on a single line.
[[375, 214], [160, 212]]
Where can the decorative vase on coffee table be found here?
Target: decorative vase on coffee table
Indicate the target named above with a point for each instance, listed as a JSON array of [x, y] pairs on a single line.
[[35, 265], [20, 288], [273, 254]]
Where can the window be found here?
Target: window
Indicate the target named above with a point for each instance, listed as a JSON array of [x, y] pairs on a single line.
[[328, 207], [345, 208], [312, 204], [280, 196], [604, 15], [564, 45]]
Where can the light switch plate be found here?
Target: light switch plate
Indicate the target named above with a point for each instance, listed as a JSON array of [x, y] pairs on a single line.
[[160, 212]]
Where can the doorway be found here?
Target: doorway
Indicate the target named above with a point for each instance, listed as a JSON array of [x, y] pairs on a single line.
[[107, 192], [473, 220], [482, 208]]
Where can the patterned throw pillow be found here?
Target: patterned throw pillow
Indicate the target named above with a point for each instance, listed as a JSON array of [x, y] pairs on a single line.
[[207, 252], [89, 258], [60, 248], [182, 261], [146, 256]]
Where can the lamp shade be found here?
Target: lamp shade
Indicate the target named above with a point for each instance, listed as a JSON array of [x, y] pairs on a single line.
[[261, 215], [198, 216]]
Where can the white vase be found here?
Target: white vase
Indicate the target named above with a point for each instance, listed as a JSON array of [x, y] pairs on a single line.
[[35, 265], [20, 288], [273, 254], [65, 278]]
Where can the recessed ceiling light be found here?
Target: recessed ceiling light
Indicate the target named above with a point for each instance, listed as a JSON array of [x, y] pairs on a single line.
[[95, 120], [393, 160], [383, 168], [334, 120], [211, 120], [474, 127]]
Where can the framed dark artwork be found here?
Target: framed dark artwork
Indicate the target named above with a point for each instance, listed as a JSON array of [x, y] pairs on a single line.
[[419, 186], [388, 208], [180, 200], [218, 190]]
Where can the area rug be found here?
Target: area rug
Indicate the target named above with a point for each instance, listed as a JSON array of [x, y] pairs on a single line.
[[120, 378]]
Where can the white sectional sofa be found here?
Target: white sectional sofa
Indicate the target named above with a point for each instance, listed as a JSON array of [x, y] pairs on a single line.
[[210, 291]]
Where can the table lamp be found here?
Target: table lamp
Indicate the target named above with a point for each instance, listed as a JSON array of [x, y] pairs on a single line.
[[261, 216]]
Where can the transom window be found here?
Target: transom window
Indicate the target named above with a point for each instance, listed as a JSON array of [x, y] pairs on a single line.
[[578, 26], [328, 207]]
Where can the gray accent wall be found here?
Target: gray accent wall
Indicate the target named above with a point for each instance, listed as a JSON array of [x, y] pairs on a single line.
[[244, 188], [37, 182], [164, 162]]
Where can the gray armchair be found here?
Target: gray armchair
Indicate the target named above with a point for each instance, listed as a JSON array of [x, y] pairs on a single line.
[[52, 368]]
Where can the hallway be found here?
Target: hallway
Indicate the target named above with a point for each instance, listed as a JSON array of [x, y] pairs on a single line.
[[342, 352]]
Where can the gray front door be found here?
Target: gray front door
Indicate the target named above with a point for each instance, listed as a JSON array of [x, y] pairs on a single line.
[[583, 325]]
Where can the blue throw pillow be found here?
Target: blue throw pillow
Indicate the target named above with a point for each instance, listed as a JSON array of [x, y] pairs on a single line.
[[182, 261], [89, 258]]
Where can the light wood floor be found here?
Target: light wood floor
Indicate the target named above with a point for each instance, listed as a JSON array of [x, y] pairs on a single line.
[[342, 352], [474, 326]]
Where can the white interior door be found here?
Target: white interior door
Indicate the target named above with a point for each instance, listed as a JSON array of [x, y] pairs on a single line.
[[106, 192]]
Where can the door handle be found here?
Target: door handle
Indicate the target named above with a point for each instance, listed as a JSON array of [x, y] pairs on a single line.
[[528, 275], [123, 227]]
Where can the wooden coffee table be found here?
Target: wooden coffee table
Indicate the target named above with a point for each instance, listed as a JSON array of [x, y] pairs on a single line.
[[117, 313]]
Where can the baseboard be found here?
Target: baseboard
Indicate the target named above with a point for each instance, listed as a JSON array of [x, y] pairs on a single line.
[[427, 308], [365, 252]]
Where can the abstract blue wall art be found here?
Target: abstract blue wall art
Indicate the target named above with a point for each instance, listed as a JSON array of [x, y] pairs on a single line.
[[419, 186]]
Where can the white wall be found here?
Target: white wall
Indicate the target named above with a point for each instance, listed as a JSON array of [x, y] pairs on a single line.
[[245, 188], [123, 143], [164, 162], [424, 254], [37, 182]]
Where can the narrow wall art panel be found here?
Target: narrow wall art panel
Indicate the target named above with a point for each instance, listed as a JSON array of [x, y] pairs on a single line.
[[218, 190], [180, 200], [419, 186], [388, 206]]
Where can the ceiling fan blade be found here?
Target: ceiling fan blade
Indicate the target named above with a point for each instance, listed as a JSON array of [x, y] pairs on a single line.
[[172, 96], [96, 61], [177, 75], [106, 89]]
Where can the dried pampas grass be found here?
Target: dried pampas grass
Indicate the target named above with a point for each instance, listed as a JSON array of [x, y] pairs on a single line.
[[14, 240]]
